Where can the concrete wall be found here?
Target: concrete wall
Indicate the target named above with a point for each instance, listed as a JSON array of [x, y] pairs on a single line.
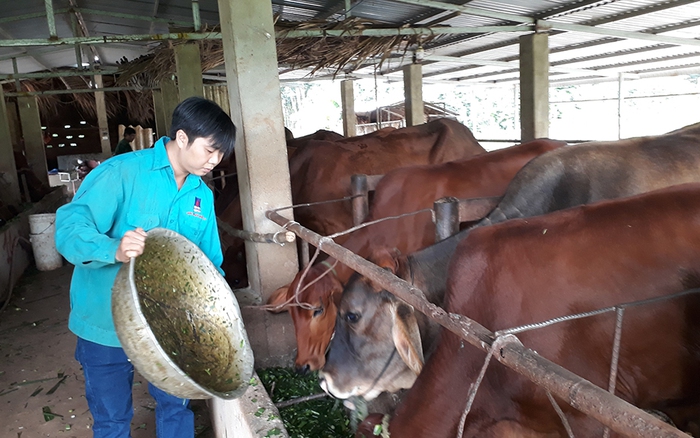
[[15, 249]]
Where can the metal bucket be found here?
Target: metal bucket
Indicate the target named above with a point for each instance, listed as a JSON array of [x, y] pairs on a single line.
[[179, 322]]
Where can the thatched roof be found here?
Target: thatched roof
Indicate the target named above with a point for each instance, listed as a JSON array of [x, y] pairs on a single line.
[[342, 54], [138, 104]]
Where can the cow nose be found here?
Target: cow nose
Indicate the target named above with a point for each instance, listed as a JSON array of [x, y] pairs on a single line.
[[303, 370]]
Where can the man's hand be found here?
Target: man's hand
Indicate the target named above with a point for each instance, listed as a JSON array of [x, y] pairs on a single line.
[[131, 245]]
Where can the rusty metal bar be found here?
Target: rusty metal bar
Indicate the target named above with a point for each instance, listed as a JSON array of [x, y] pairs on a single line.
[[446, 217], [304, 256], [361, 185], [360, 202], [611, 411]]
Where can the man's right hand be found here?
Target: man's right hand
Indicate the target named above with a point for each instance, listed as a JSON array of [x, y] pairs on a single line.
[[131, 245]]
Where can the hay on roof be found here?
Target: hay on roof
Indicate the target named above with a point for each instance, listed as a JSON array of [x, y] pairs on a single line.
[[341, 54], [139, 104]]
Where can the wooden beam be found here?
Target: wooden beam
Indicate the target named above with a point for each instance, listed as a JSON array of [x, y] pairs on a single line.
[[188, 65], [534, 86], [102, 123], [347, 98], [413, 94], [256, 109], [9, 184], [33, 137]]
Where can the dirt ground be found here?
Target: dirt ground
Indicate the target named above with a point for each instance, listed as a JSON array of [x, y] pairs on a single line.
[[41, 384]]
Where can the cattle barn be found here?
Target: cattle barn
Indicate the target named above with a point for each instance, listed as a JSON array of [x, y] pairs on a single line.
[[75, 73]]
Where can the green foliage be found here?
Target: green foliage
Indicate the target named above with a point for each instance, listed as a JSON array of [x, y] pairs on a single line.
[[321, 418]]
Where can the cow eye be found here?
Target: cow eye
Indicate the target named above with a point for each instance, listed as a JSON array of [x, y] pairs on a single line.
[[318, 311], [352, 317]]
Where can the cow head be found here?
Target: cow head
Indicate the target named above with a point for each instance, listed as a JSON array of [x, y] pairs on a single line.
[[377, 345], [234, 265], [313, 312]]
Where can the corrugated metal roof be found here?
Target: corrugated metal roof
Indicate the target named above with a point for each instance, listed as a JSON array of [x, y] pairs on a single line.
[[568, 49]]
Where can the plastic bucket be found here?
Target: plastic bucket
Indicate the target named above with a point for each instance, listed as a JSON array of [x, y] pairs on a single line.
[[42, 228]]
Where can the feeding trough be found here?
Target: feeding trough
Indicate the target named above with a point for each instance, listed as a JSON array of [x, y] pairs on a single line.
[[179, 322]]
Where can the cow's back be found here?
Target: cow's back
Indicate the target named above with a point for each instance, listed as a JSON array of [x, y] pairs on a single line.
[[322, 171], [583, 259], [414, 188], [594, 171]]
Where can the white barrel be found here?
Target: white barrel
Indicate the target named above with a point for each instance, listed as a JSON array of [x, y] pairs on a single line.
[[42, 228]]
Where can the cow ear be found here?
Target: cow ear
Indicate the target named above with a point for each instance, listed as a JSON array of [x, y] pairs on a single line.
[[406, 336], [386, 258], [278, 300]]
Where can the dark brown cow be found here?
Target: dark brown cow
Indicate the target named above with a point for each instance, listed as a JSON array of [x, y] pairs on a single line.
[[574, 261], [553, 181], [404, 190], [228, 207], [321, 171]]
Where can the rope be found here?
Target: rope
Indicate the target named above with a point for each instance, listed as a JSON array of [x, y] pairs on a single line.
[[615, 359], [331, 267], [497, 344], [527, 327], [376, 221], [614, 362], [562, 417]]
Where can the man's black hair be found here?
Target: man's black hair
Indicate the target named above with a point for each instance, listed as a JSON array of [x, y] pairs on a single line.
[[129, 131], [199, 117]]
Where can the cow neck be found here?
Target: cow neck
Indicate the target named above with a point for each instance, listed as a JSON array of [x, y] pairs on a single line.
[[428, 267]]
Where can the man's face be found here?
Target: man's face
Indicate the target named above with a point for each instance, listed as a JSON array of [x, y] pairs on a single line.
[[130, 137], [200, 157]]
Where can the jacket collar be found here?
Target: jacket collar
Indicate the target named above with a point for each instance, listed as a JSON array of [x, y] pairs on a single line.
[[161, 161], [160, 157]]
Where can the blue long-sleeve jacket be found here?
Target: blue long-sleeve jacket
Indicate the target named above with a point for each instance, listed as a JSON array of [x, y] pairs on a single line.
[[127, 191]]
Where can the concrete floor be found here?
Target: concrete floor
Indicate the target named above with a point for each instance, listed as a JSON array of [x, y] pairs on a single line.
[[38, 371]]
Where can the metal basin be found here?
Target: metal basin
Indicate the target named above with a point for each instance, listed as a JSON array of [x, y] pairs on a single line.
[[179, 322]]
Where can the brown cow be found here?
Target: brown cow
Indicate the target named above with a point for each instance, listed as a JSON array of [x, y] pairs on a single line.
[[321, 171], [228, 208], [553, 181], [574, 261], [404, 190]]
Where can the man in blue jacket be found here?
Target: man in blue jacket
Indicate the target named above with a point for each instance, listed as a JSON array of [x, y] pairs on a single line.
[[105, 225]]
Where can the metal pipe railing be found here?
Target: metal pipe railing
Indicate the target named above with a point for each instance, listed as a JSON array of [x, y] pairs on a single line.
[[611, 411], [279, 238]]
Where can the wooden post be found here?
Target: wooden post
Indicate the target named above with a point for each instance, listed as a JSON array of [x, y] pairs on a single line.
[[33, 137], [347, 97], [256, 109], [534, 86], [248, 38], [413, 92], [102, 119], [171, 97], [160, 114], [189, 70], [9, 184], [13, 120]]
